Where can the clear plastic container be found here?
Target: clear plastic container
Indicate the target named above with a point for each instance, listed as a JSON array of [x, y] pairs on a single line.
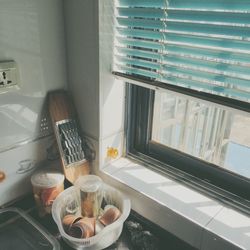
[[91, 193], [19, 231], [47, 185], [69, 200]]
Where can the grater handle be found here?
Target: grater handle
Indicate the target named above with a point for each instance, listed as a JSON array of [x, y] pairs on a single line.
[[60, 106]]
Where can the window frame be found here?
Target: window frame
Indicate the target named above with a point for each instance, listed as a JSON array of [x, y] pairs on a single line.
[[221, 184]]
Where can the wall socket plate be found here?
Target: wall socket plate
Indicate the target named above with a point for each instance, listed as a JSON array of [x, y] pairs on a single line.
[[8, 74]]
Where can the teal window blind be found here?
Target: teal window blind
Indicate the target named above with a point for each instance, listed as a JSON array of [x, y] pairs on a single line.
[[199, 44]]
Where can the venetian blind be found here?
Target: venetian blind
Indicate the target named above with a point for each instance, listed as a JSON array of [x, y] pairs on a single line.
[[198, 44]]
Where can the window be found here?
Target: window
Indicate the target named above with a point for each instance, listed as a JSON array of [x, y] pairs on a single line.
[[194, 115], [214, 134]]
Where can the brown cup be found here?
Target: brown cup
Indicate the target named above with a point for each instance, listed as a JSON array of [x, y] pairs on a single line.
[[84, 228], [110, 215], [69, 220]]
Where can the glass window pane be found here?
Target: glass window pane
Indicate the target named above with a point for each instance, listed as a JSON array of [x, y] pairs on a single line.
[[215, 134]]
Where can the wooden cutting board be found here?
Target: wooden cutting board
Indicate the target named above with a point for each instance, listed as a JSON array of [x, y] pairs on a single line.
[[63, 117]]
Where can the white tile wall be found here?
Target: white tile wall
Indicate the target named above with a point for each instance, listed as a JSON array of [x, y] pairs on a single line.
[[19, 163], [32, 34], [114, 141], [112, 91]]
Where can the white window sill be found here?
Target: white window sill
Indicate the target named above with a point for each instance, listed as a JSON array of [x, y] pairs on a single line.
[[193, 217]]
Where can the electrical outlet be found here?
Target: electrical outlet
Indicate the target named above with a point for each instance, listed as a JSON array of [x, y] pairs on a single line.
[[8, 74]]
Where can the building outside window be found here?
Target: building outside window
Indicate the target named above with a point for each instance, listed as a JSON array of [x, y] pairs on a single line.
[[211, 133]]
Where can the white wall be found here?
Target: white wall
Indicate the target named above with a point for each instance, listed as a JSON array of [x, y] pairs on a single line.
[[81, 22], [31, 34], [112, 91]]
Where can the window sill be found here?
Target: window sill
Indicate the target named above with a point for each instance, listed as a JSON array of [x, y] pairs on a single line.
[[202, 222]]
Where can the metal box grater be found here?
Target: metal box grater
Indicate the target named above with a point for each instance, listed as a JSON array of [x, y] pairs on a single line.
[[70, 145], [64, 121]]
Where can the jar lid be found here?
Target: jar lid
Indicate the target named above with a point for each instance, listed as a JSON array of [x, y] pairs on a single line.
[[47, 179], [88, 183]]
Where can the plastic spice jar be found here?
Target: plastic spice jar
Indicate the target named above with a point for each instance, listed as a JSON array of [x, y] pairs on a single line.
[[47, 185]]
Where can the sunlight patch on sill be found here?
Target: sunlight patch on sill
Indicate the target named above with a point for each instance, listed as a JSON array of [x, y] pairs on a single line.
[[184, 194], [147, 176], [163, 190], [233, 219], [210, 210]]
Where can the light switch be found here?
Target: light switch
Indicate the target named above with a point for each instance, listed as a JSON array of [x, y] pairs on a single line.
[[8, 74]]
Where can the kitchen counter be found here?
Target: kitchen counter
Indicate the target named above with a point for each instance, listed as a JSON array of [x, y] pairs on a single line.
[[151, 237]]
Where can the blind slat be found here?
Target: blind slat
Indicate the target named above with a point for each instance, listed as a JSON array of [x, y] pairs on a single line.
[[214, 10], [188, 38], [173, 18], [141, 12], [144, 3], [181, 80], [234, 5], [183, 31], [211, 75], [183, 54]]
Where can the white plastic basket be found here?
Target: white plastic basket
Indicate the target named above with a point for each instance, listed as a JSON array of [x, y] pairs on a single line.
[[69, 201]]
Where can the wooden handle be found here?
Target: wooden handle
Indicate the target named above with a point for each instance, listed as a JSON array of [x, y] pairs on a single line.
[[60, 106], [72, 173]]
